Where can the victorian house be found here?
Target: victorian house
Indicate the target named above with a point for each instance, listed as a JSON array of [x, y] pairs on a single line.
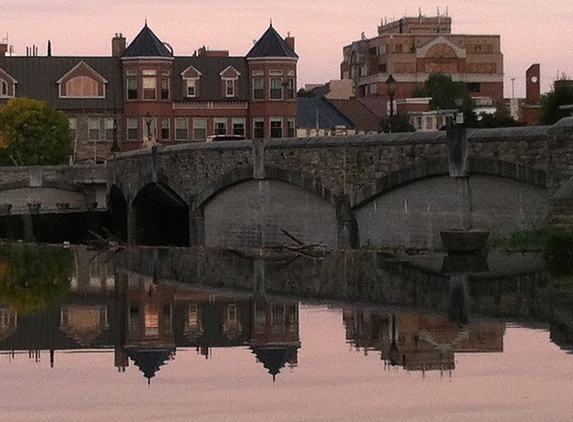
[[143, 94]]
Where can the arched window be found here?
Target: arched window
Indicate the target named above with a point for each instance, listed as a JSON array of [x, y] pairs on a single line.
[[81, 86]]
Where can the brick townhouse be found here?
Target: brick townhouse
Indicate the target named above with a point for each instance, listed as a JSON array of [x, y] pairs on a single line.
[[143, 93]]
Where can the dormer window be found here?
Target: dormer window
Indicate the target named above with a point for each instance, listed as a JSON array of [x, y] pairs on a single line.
[[191, 77], [191, 85], [230, 87], [82, 81], [81, 86], [7, 85], [229, 77]]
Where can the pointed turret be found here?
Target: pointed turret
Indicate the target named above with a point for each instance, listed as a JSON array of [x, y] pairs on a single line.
[[147, 44], [271, 44]]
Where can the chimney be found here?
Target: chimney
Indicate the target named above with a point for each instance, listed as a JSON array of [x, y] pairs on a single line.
[[3, 49], [290, 41], [118, 45]]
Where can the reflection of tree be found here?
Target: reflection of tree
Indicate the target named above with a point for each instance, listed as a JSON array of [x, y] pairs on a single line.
[[33, 276]]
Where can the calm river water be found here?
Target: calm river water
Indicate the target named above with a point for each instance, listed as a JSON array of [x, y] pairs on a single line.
[[204, 335]]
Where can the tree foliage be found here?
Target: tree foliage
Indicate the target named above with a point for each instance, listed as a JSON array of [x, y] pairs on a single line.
[[33, 133], [561, 95], [33, 276], [444, 92], [396, 123]]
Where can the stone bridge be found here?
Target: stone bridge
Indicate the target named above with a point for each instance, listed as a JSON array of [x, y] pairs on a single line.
[[341, 192], [379, 190]]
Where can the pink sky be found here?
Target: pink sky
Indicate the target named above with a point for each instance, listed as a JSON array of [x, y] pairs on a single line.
[[532, 31], [530, 381]]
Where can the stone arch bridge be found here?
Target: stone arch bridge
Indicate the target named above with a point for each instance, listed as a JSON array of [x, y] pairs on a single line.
[[343, 192], [340, 192]]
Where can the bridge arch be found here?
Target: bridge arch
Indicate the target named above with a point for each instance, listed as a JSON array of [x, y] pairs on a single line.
[[243, 174], [160, 217], [439, 167], [239, 210], [410, 207]]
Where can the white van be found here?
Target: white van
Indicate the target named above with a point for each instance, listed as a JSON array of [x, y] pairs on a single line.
[[216, 138]]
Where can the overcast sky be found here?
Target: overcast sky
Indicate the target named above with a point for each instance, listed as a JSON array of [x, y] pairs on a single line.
[[532, 31]]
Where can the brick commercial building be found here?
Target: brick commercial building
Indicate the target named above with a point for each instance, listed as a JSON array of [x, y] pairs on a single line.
[[411, 48], [143, 93]]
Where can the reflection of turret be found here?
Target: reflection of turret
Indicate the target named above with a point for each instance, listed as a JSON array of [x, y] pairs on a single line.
[[274, 337], [149, 361], [150, 340], [274, 358]]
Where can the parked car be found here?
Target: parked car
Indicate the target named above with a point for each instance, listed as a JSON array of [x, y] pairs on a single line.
[[216, 138]]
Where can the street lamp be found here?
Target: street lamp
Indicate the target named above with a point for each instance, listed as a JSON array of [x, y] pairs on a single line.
[[459, 113], [115, 146], [148, 120], [391, 91]]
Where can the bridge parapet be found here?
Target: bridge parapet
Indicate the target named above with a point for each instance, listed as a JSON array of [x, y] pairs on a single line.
[[52, 189]]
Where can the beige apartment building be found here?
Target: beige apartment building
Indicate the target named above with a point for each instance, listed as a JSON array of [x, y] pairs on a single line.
[[412, 48]]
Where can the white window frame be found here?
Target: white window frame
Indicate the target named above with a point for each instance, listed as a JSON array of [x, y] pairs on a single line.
[[238, 122], [93, 125], [276, 120], [178, 121], [199, 124], [220, 121]]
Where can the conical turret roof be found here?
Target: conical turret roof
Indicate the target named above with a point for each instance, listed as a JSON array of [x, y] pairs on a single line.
[[146, 44], [271, 44]]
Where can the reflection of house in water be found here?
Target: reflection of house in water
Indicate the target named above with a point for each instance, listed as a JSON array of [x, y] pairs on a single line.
[[275, 337], [161, 317], [145, 322], [420, 342]]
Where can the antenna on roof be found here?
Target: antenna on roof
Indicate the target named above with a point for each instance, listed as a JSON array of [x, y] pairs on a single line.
[[271, 22], [446, 11], [49, 54], [419, 12]]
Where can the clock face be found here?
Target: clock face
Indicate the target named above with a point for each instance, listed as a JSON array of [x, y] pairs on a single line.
[[534, 79]]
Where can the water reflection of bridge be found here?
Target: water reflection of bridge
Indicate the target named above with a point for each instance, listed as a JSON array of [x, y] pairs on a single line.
[[144, 304]]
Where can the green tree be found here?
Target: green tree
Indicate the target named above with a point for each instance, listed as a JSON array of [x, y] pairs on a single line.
[[397, 123], [561, 95], [33, 133], [444, 92]]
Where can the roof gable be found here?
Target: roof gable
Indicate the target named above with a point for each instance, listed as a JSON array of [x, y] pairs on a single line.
[[271, 44], [229, 73], [6, 76], [191, 73], [147, 44], [320, 113], [82, 69]]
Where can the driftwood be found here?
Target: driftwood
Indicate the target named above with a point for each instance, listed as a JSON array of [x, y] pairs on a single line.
[[110, 241], [315, 251]]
